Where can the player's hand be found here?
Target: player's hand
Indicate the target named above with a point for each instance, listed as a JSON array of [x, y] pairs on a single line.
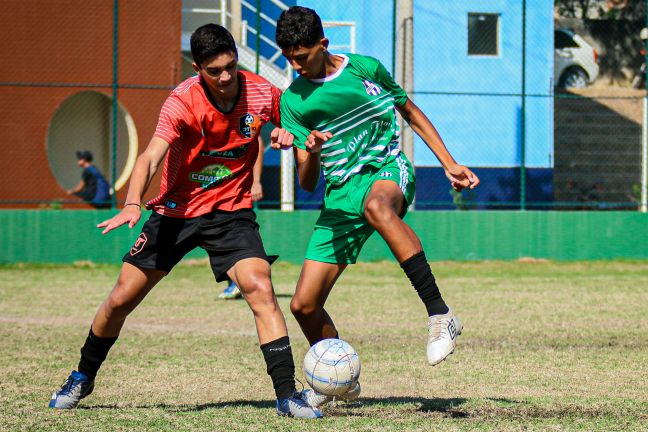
[[315, 140], [128, 215], [281, 139], [257, 191], [461, 177]]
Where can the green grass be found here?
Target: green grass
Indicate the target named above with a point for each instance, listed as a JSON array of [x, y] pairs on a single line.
[[546, 346]]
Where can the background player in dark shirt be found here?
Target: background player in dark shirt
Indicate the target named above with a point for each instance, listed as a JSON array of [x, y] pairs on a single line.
[[93, 187]]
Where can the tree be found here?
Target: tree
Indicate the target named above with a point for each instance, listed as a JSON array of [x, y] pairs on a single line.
[[580, 8], [610, 9]]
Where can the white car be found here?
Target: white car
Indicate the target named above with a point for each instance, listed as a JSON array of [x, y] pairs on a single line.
[[575, 61]]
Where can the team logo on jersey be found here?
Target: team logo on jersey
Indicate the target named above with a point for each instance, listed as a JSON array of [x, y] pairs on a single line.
[[371, 88], [139, 244], [211, 175], [249, 125], [171, 204], [234, 153]]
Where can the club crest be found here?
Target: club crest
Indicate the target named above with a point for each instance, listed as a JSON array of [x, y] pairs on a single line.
[[371, 88], [139, 244], [249, 125]]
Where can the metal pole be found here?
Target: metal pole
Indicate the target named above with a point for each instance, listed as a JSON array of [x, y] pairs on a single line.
[[258, 35], [644, 158], [287, 181], [405, 60], [115, 83], [394, 33], [523, 116], [287, 166], [644, 139]]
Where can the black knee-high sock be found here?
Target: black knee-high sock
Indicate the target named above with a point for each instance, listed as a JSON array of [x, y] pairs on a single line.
[[281, 367], [419, 273], [93, 353]]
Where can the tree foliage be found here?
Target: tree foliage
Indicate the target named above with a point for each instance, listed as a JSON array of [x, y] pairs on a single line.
[[605, 9]]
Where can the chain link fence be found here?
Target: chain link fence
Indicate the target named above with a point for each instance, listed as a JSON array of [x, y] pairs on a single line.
[[544, 100]]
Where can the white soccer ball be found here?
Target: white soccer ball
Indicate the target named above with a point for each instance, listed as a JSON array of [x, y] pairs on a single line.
[[332, 367]]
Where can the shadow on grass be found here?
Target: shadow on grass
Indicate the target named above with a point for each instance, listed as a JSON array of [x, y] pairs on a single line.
[[456, 408], [446, 406]]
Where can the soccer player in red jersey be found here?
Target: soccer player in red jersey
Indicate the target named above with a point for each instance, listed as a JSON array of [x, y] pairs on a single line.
[[208, 132]]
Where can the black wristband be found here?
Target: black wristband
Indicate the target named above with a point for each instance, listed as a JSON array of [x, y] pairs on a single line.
[[135, 204]]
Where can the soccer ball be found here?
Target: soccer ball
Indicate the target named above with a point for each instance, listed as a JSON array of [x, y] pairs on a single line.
[[332, 367]]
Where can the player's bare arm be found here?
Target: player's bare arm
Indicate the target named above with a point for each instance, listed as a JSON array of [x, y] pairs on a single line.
[[78, 188], [257, 170], [460, 176], [308, 161], [145, 168]]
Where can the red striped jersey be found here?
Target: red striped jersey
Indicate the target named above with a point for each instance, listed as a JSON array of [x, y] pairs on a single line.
[[211, 153]]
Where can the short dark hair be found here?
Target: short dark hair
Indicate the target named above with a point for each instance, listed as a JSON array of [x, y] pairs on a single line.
[[84, 154], [210, 40], [298, 26]]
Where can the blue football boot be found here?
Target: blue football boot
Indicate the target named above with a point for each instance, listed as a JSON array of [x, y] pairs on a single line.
[[232, 292], [297, 406], [75, 388]]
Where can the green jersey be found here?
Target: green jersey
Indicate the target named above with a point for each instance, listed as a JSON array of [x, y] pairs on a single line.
[[356, 104]]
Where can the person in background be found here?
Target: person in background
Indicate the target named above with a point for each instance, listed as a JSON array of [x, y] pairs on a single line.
[[93, 187]]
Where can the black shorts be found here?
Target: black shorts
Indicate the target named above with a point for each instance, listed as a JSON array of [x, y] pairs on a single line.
[[228, 237]]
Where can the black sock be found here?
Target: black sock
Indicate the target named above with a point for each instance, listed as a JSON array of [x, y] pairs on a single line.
[[281, 367], [93, 353], [419, 273]]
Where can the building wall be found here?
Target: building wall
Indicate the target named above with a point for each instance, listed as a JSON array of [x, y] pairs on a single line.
[[373, 23], [63, 47], [485, 130]]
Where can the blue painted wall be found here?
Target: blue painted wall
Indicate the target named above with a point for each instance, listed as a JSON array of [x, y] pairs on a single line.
[[484, 131], [373, 19], [480, 130]]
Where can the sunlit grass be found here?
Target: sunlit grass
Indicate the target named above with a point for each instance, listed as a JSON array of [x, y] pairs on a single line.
[[546, 346]]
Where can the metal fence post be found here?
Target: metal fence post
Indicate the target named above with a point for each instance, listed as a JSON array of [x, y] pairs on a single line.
[[394, 36], [644, 136], [258, 35], [405, 61], [115, 86], [523, 116]]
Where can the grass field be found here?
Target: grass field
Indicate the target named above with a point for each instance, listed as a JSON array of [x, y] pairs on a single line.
[[546, 346]]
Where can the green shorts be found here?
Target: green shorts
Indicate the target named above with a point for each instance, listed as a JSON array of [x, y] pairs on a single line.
[[342, 229]]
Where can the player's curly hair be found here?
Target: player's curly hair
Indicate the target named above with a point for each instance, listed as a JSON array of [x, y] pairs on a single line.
[[210, 40], [298, 26]]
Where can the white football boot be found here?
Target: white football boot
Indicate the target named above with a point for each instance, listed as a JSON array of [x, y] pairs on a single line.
[[316, 400], [442, 338]]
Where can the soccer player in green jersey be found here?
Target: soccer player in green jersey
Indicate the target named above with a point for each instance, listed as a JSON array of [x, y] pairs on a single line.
[[340, 115]]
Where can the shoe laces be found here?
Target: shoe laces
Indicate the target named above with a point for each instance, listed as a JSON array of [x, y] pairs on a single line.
[[437, 327], [68, 385]]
